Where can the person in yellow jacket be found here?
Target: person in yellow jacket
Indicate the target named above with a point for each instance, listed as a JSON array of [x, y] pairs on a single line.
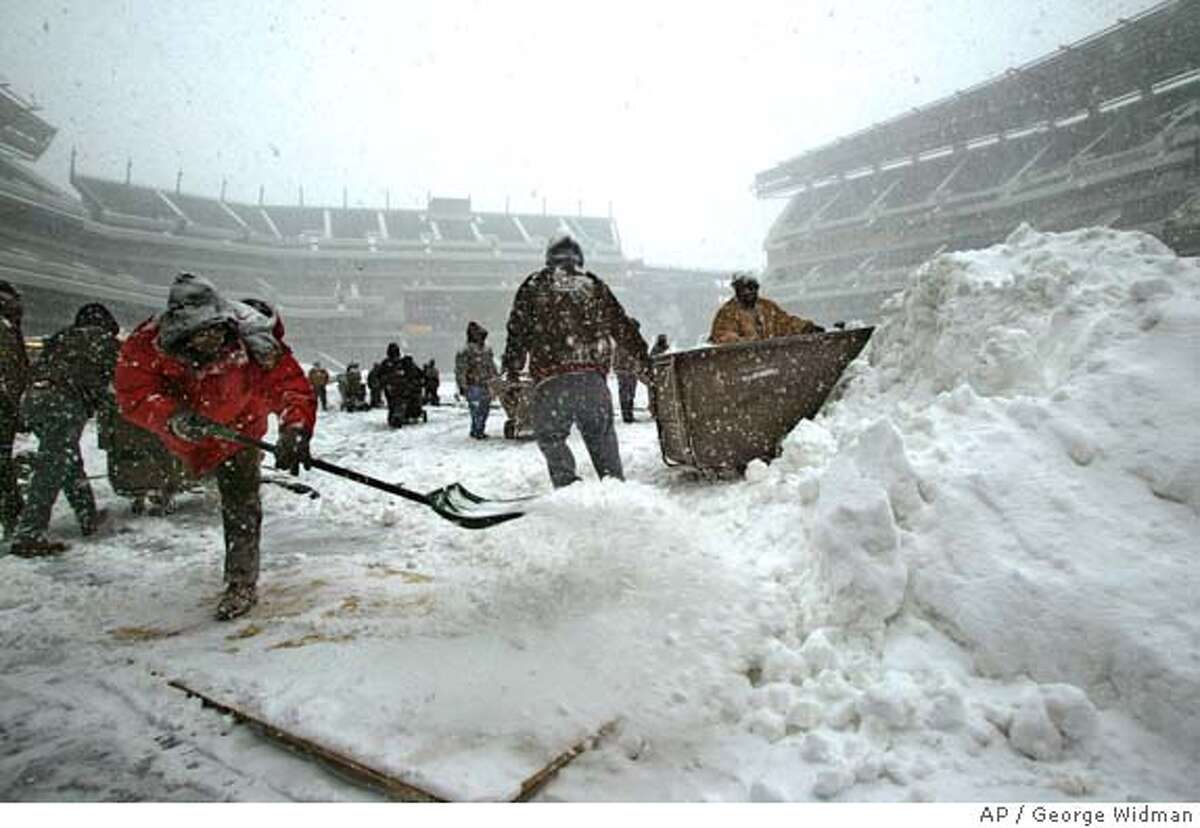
[[746, 317]]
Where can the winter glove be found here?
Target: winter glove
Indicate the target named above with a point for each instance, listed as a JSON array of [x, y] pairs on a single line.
[[292, 449], [645, 374], [188, 425]]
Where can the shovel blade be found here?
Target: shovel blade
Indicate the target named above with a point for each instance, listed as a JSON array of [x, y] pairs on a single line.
[[462, 506]]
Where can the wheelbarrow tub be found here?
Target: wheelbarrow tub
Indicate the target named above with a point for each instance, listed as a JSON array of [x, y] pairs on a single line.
[[721, 407], [516, 398]]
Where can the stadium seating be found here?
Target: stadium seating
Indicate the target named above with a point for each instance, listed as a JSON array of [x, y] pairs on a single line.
[[594, 229], [293, 222], [126, 199], [1065, 144], [207, 212], [918, 182], [354, 223], [542, 227], [993, 166], [21, 130], [406, 225], [1103, 131], [455, 230], [855, 196], [500, 226], [253, 217]]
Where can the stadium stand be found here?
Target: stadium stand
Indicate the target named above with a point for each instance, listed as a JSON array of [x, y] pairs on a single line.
[[918, 182], [499, 226], [253, 218], [406, 225], [541, 228], [987, 168], [455, 230], [347, 281], [354, 223], [22, 132], [206, 212], [1103, 131], [294, 222], [124, 199], [599, 231]]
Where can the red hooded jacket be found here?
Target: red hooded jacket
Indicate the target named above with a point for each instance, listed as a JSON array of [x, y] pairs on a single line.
[[234, 390]]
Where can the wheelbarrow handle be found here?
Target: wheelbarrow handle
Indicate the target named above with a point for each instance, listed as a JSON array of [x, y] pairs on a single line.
[[225, 433]]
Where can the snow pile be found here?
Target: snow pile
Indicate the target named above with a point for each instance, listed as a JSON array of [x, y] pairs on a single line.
[[1016, 463]]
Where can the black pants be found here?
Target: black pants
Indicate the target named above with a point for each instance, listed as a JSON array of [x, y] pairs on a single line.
[[626, 391], [241, 515], [320, 389], [10, 493]]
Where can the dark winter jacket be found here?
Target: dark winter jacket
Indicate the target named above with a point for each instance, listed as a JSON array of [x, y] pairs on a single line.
[[474, 364], [564, 321], [401, 377], [625, 362], [14, 361], [350, 381], [79, 363]]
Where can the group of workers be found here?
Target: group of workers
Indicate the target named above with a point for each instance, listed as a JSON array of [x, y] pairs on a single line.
[[208, 371], [396, 380]]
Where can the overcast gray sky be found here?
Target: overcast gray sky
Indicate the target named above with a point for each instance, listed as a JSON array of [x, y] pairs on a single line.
[[665, 109]]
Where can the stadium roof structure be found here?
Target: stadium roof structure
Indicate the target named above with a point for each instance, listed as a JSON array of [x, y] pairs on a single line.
[[22, 132], [444, 225], [1150, 53]]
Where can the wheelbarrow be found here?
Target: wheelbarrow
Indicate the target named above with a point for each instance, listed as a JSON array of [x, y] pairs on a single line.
[[516, 398], [723, 406]]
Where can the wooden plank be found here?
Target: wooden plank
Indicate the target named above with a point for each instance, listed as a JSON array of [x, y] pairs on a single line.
[[386, 783], [531, 786]]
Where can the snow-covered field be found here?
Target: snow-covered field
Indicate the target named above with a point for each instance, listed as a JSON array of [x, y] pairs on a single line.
[[974, 577]]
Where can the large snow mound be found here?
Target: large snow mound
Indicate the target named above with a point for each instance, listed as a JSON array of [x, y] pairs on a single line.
[[1016, 462]]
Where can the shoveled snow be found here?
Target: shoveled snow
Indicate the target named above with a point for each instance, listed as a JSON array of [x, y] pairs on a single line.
[[973, 577]]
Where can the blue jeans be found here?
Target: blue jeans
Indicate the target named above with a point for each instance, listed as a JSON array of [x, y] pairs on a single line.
[[583, 399], [479, 400]]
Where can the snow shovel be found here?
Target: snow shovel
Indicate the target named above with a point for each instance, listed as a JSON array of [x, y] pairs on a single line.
[[454, 502]]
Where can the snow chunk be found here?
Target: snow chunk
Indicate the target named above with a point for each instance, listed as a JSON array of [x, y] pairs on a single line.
[[1072, 713], [1033, 732], [891, 703], [830, 783], [858, 549]]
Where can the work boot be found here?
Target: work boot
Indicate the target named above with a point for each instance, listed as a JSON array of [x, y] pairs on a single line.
[[238, 600], [92, 525], [37, 547]]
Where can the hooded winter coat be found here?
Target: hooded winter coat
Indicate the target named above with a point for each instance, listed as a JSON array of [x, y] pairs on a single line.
[[77, 362], [254, 376], [474, 364], [14, 361], [734, 322], [565, 321]]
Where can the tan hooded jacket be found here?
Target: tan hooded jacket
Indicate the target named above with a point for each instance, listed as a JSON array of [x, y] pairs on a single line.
[[766, 320]]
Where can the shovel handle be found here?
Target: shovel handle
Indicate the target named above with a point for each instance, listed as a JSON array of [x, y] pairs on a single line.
[[226, 433]]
